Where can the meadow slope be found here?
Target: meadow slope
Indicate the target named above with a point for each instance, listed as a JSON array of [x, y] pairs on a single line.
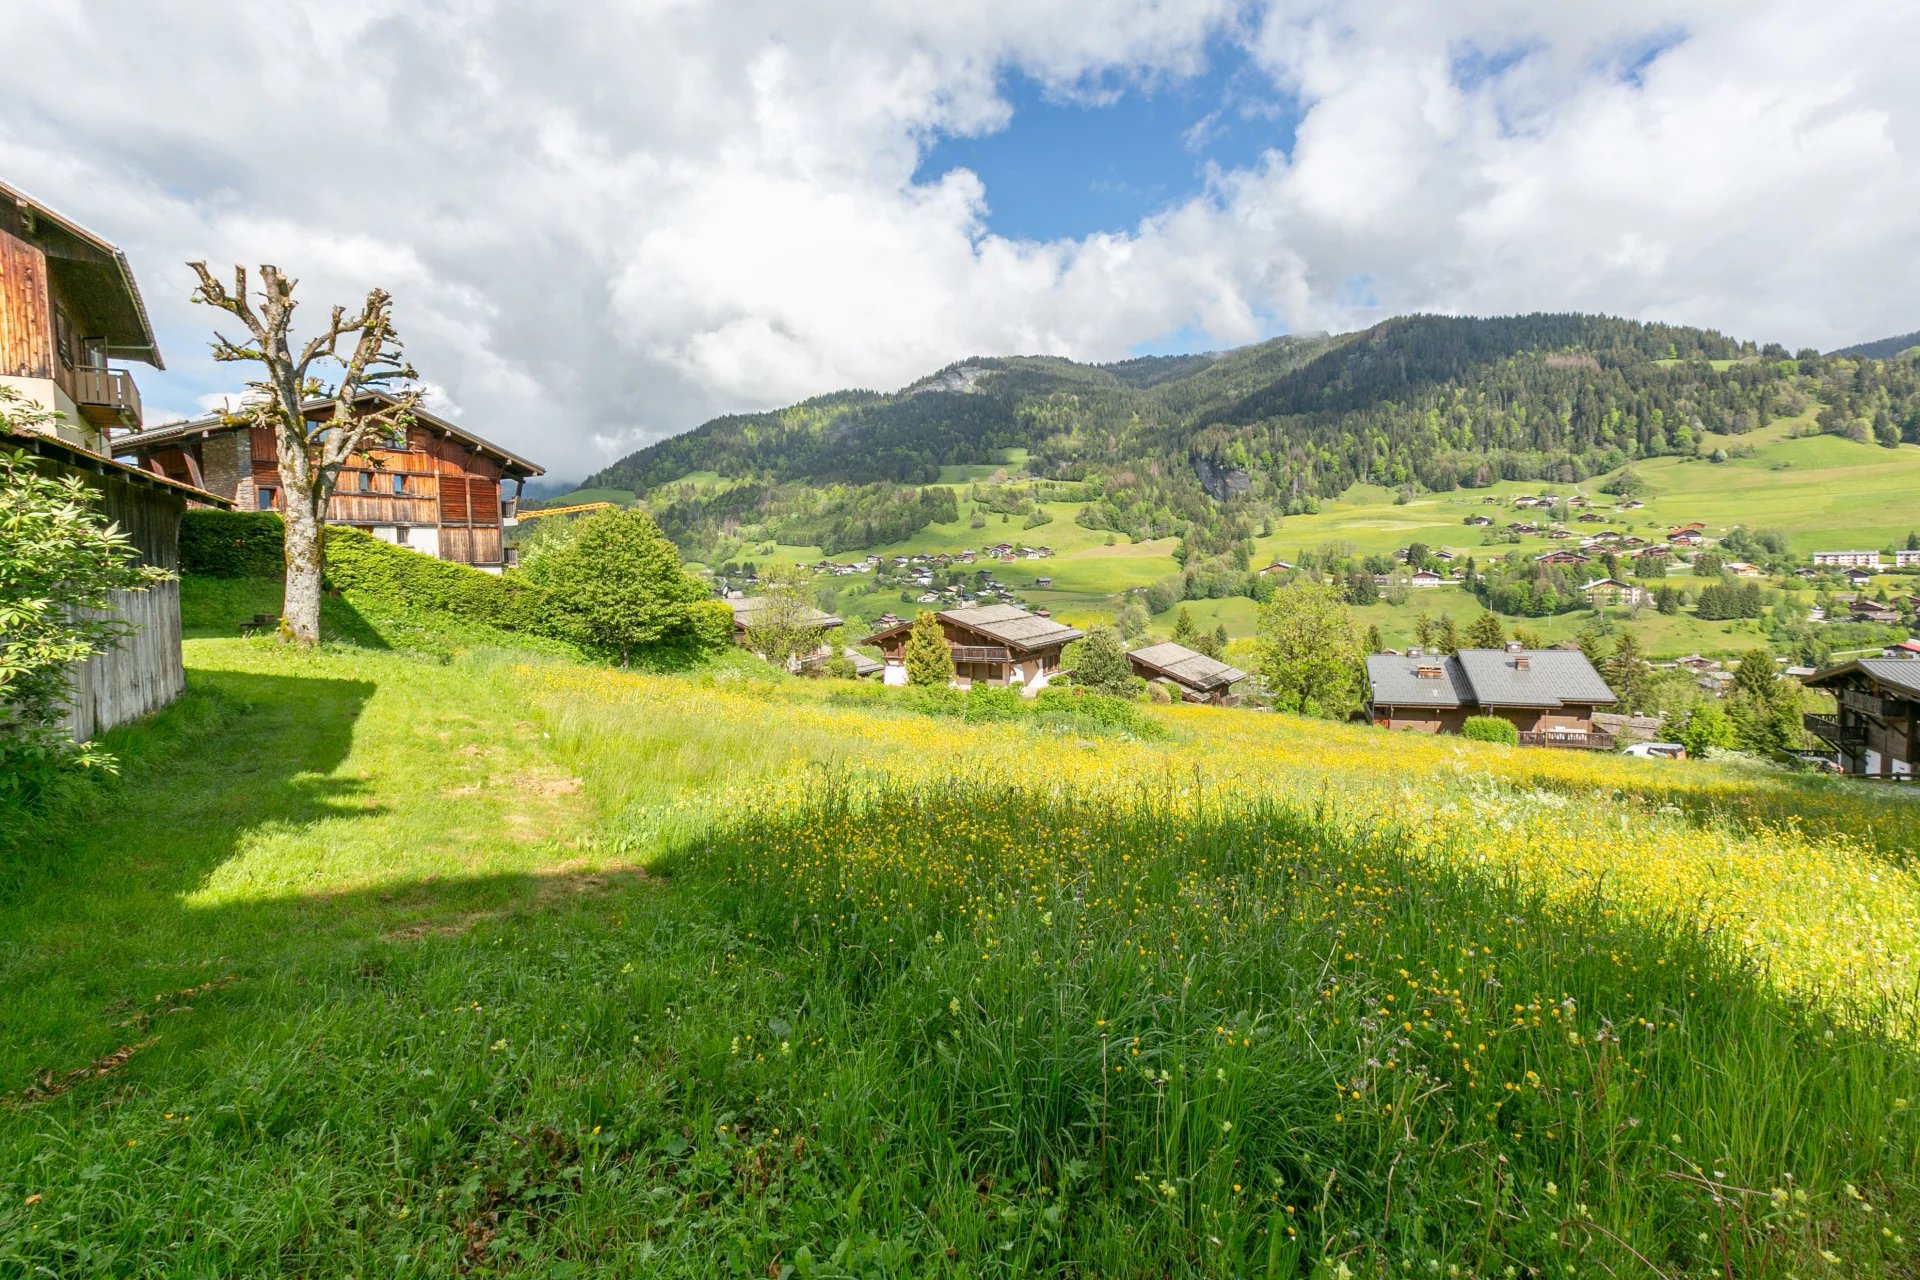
[[485, 962]]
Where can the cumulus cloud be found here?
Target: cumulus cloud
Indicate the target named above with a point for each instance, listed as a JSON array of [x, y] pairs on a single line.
[[603, 229]]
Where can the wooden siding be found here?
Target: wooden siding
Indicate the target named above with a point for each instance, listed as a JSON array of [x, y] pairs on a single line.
[[26, 324], [143, 671]]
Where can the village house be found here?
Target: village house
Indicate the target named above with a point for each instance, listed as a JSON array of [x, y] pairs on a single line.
[[995, 645], [1425, 578], [1561, 557], [1549, 695], [1875, 728], [434, 488], [1615, 592], [1846, 560], [1741, 569], [1687, 538], [1864, 610], [68, 306], [1278, 566], [1909, 648], [1197, 677], [749, 610], [1478, 520], [1859, 578], [1632, 505], [1904, 559]]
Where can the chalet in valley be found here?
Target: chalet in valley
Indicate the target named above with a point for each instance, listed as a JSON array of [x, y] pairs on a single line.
[[435, 488], [68, 308], [1195, 676], [1875, 728], [1550, 695], [995, 645], [748, 610], [1615, 592]]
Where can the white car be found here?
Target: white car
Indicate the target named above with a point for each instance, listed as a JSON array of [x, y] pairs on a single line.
[[1656, 751]]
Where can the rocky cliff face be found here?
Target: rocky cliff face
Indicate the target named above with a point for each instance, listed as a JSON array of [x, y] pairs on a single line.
[[1220, 483]]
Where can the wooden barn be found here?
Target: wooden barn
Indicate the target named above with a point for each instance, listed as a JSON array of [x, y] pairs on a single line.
[[438, 491], [994, 644], [143, 672]]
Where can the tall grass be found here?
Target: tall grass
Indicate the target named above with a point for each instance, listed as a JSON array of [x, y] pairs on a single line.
[[791, 988]]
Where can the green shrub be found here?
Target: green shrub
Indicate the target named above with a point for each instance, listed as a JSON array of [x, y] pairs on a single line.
[[232, 544], [1490, 729]]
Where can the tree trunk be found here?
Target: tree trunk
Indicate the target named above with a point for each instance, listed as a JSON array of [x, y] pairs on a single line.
[[301, 612], [306, 504]]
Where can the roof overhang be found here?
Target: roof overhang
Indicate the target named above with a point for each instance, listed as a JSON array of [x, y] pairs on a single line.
[[102, 271], [57, 450]]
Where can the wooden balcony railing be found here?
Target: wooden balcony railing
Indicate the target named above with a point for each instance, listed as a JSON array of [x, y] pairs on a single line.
[[1594, 741], [1830, 729], [107, 397], [981, 653]]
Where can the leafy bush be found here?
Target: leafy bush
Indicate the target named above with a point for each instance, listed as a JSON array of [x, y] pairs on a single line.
[[61, 562], [1490, 729], [1072, 710], [232, 544]]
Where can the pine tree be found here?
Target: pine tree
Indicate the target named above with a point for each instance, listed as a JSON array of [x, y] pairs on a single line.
[[1628, 674], [1446, 636], [927, 658], [1486, 633], [1183, 627]]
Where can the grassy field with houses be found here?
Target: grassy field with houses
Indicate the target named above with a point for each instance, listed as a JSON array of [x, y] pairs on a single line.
[[424, 956], [1823, 492]]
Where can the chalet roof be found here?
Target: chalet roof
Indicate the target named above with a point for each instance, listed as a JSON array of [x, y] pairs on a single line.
[[58, 450], [1899, 673], [88, 267], [1182, 665], [1012, 625], [1549, 678], [1395, 681], [175, 432], [747, 608]]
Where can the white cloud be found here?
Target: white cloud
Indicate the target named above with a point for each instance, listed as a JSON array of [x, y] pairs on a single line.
[[603, 230]]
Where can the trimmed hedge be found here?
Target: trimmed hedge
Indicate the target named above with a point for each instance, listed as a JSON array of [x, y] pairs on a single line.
[[1490, 729], [232, 544], [251, 544]]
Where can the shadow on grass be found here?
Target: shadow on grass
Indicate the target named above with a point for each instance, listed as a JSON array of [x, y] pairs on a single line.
[[218, 607], [593, 1073]]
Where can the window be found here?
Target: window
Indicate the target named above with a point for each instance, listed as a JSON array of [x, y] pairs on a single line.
[[263, 497], [63, 336], [399, 484], [366, 482]]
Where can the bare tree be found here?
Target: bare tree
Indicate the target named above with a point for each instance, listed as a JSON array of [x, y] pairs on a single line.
[[311, 453]]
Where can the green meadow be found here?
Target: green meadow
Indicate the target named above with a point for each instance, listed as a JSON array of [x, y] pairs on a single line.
[[423, 956]]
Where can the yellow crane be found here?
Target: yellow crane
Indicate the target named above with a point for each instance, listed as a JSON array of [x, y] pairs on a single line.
[[564, 511]]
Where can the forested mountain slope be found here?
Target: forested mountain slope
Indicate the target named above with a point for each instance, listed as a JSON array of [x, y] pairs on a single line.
[[1205, 446], [1883, 349]]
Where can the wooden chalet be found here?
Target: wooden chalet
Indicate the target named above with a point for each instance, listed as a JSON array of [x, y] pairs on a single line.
[[1875, 728], [1562, 557], [1197, 677], [1615, 592], [436, 488], [1549, 695], [747, 610], [994, 644], [143, 671], [69, 306]]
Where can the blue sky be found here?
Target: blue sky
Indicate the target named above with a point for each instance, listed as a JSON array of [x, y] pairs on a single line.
[[1118, 150]]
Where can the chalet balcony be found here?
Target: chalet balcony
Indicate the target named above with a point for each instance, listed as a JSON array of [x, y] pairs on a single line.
[[981, 653], [107, 398], [1831, 730], [1596, 740]]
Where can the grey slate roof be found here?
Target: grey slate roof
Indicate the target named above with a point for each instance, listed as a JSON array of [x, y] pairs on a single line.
[[1488, 678], [1901, 673], [1012, 625], [749, 607], [1195, 670], [1552, 678], [1395, 682]]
